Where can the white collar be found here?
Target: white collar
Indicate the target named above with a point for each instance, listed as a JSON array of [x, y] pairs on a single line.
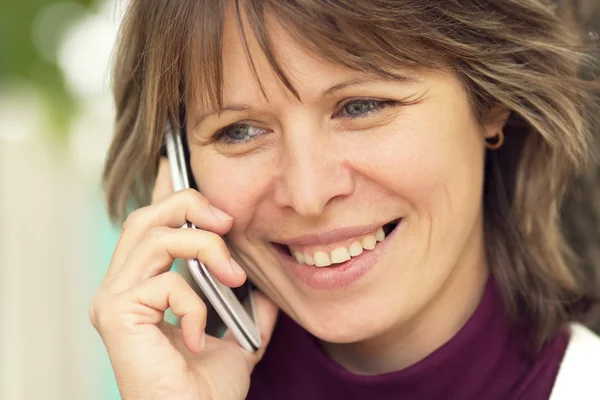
[[579, 373]]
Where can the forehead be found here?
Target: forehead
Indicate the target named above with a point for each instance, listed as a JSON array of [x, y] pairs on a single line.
[[281, 58], [247, 69]]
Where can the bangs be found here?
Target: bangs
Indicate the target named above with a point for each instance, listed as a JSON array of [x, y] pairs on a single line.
[[335, 31]]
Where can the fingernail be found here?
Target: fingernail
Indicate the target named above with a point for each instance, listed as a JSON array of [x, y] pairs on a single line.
[[236, 267], [223, 216]]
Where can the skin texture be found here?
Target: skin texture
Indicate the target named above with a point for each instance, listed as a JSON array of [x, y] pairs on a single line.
[[308, 167]]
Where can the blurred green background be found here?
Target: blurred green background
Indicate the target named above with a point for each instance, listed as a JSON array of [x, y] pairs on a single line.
[[56, 118], [31, 33], [55, 240]]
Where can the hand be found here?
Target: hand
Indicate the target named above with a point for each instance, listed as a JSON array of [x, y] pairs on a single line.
[[152, 359]]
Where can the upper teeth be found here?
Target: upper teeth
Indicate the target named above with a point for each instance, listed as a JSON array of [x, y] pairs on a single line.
[[340, 254]]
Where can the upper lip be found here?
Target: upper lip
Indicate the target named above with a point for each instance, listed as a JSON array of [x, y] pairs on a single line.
[[331, 236]]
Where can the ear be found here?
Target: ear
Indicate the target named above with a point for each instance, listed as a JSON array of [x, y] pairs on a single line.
[[163, 185], [494, 120]]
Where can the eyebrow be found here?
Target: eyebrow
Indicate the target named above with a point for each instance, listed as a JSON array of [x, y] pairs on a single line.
[[358, 81], [328, 92]]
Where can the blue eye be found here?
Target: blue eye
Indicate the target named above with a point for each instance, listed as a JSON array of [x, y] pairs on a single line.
[[362, 107], [241, 132], [238, 133]]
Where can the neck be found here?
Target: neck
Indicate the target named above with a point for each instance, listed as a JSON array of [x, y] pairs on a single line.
[[433, 326]]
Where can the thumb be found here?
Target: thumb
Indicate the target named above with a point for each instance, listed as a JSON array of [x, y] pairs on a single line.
[[163, 186]]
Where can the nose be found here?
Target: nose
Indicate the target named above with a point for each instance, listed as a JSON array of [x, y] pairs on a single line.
[[312, 174]]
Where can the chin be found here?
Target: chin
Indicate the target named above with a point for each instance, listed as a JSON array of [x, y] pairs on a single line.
[[342, 336], [346, 324]]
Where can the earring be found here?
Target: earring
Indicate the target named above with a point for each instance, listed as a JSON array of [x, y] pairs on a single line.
[[497, 143]]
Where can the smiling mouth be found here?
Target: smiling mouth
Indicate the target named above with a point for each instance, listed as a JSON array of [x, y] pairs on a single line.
[[332, 257]]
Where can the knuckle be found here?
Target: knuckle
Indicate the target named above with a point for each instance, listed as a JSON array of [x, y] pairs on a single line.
[[198, 307], [201, 306], [155, 235], [214, 241], [97, 313], [195, 199], [195, 305], [194, 302], [194, 195], [174, 279], [211, 244], [93, 313], [134, 218]]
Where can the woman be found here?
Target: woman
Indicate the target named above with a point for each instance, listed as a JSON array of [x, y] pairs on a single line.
[[387, 173]]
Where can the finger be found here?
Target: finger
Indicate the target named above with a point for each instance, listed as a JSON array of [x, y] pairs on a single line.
[[172, 211], [266, 317], [163, 185], [170, 290], [156, 252]]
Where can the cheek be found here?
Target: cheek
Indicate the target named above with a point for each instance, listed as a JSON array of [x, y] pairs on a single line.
[[435, 165], [233, 185]]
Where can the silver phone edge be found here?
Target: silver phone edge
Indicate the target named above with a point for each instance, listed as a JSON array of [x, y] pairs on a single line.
[[249, 340]]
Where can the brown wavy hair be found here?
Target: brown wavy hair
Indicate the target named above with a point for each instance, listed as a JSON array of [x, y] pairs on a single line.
[[517, 54]]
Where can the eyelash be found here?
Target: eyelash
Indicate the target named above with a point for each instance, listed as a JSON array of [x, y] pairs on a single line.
[[221, 135]]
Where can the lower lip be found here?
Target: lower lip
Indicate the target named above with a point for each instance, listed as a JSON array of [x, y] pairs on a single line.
[[342, 275]]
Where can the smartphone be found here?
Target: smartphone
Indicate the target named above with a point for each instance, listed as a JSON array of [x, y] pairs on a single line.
[[235, 307]]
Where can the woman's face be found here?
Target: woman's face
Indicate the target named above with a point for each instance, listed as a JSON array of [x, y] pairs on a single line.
[[318, 176]]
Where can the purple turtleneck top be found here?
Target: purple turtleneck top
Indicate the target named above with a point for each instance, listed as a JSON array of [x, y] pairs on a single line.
[[488, 359]]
